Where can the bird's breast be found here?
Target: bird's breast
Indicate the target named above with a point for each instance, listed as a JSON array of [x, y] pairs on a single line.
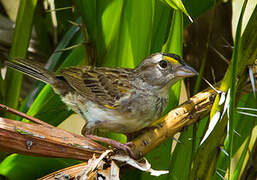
[[134, 112]]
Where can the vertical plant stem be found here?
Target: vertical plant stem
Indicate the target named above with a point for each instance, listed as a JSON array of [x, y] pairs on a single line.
[[19, 49], [233, 83]]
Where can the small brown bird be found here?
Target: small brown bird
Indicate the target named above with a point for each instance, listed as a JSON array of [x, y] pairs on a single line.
[[122, 100]]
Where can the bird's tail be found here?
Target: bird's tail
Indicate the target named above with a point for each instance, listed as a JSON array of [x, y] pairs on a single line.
[[33, 69]]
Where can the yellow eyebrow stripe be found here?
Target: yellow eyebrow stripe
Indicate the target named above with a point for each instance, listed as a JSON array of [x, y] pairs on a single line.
[[170, 59], [110, 107]]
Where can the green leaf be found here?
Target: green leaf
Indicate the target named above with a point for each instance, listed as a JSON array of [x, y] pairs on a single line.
[[243, 126], [20, 167], [181, 157], [247, 49], [47, 106], [174, 42], [130, 42], [239, 165], [236, 7], [177, 4], [161, 23]]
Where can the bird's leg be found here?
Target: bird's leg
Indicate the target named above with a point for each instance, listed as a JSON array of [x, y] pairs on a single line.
[[113, 143], [89, 133]]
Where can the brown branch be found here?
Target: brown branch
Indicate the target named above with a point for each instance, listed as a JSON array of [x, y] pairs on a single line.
[[66, 173], [40, 140], [177, 119]]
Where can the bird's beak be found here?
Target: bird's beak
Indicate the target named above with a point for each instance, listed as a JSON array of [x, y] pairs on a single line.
[[185, 71]]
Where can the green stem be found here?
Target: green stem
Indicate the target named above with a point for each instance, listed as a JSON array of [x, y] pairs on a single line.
[[19, 49], [233, 82]]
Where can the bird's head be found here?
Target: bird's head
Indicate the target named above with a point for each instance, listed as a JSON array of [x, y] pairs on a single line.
[[163, 70]]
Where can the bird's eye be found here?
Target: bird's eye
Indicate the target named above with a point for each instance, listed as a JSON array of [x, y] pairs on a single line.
[[163, 64]]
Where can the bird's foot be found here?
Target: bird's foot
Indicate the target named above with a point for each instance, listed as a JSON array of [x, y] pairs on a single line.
[[124, 147]]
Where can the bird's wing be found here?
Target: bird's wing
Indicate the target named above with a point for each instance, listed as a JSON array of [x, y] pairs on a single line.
[[105, 86]]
